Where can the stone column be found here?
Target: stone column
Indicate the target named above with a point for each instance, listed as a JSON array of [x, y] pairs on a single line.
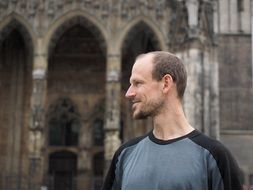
[[192, 10], [201, 99], [215, 95], [112, 115], [36, 130], [193, 99]]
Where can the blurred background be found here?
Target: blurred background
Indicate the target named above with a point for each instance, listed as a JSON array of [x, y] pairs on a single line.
[[65, 67]]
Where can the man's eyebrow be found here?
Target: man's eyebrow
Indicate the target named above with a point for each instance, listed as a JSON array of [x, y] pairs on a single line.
[[136, 80], [132, 80]]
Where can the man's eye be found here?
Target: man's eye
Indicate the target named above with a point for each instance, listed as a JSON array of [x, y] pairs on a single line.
[[137, 83]]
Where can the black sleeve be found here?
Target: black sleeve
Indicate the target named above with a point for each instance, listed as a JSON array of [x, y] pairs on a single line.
[[229, 170], [110, 177]]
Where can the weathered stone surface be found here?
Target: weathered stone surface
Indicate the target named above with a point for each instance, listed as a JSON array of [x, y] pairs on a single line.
[[235, 82]]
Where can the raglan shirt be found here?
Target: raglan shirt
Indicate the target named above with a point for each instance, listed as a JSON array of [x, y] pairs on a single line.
[[190, 162]]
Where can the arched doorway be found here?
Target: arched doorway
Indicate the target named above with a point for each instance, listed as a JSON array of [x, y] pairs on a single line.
[[140, 39], [76, 70], [62, 170]]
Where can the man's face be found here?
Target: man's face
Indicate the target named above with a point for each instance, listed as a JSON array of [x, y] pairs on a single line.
[[144, 92]]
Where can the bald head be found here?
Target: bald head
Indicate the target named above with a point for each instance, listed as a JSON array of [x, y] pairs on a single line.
[[167, 63]]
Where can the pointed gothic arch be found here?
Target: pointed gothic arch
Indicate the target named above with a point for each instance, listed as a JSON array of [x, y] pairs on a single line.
[[76, 56], [73, 22], [70, 19], [79, 47], [14, 23], [16, 53], [17, 21], [160, 36]]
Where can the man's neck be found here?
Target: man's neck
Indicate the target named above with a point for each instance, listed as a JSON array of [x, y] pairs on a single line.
[[171, 123]]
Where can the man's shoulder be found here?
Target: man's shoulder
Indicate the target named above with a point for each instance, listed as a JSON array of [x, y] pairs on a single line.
[[214, 146], [130, 143], [225, 161]]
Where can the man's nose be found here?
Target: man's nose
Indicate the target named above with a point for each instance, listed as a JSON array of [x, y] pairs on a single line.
[[130, 92]]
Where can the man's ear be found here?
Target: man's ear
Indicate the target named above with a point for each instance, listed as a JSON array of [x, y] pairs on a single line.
[[167, 83]]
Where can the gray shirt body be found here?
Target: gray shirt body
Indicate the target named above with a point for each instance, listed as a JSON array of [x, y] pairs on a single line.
[[191, 162]]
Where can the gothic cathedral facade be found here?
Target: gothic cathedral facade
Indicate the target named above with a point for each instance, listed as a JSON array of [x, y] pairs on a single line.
[[65, 67]]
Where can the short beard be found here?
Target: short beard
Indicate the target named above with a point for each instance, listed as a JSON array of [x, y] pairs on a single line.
[[141, 115], [152, 109]]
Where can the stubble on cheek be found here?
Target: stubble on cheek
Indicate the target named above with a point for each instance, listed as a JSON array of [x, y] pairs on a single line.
[[135, 110], [151, 108], [139, 113]]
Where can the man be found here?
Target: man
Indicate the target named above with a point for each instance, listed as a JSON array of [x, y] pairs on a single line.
[[173, 156]]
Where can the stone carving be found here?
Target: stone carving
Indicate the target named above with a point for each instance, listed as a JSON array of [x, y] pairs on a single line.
[[37, 118], [207, 21], [191, 20], [192, 8], [178, 25], [36, 142], [106, 10]]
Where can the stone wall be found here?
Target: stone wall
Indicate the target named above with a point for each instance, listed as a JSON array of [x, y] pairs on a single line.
[[235, 80], [234, 16], [236, 95], [236, 98]]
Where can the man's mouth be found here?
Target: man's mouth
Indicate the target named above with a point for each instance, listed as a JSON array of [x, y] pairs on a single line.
[[134, 103]]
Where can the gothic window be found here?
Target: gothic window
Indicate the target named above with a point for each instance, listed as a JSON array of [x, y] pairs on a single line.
[[64, 133], [98, 132], [64, 125]]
